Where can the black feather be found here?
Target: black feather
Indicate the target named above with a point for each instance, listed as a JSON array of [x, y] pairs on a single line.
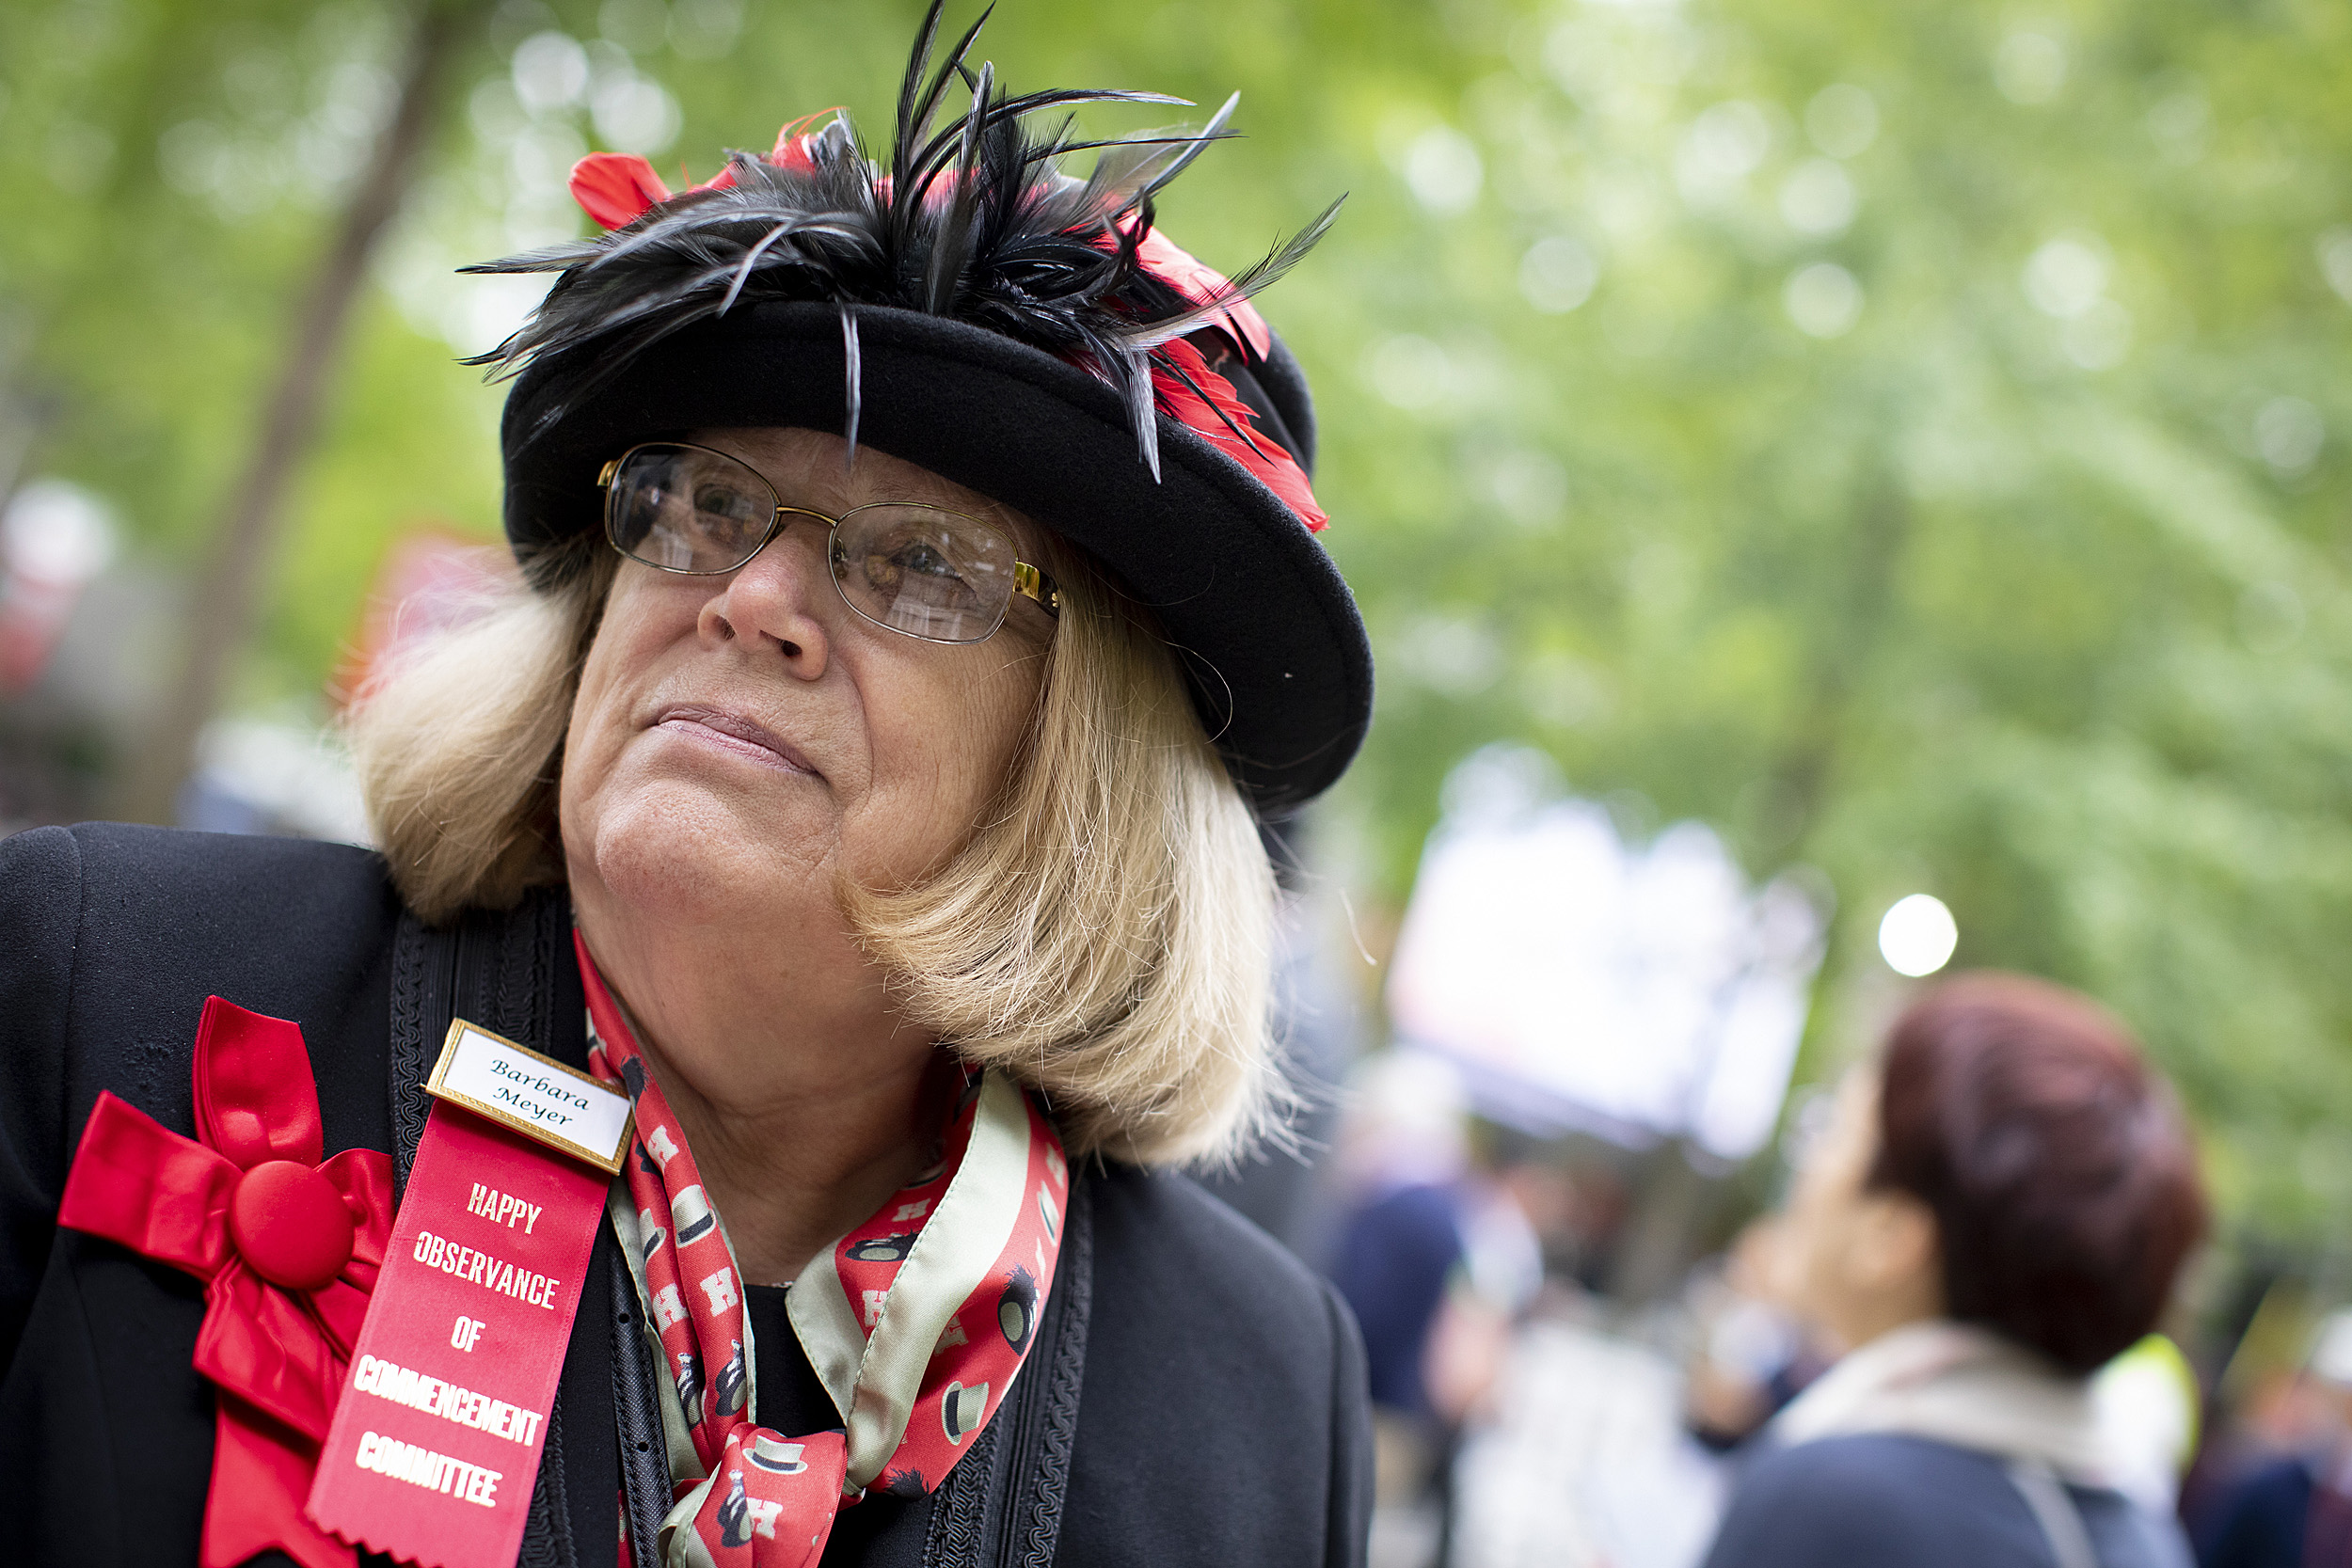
[[972, 219], [852, 382]]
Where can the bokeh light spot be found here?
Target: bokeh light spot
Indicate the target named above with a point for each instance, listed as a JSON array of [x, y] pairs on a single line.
[[2066, 277], [1824, 299], [1818, 197], [1443, 171], [1842, 119], [2029, 67], [1557, 275], [1918, 935], [2289, 431]]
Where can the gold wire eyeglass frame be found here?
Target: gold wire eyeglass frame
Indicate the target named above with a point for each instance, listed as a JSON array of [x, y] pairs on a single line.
[[1031, 582]]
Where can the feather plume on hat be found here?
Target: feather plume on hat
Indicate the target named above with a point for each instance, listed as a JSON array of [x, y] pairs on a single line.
[[972, 220]]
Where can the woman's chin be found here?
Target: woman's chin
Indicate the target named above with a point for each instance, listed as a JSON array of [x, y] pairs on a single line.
[[677, 851]]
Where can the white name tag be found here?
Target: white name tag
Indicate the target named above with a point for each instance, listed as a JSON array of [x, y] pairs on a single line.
[[514, 1085]]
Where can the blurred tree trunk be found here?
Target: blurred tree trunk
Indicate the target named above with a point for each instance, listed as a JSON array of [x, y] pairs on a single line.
[[227, 591]]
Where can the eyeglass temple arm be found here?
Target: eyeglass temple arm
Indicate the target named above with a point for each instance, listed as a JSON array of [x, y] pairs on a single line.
[[1029, 581]]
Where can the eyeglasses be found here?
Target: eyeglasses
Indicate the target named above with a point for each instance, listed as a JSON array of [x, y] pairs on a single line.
[[918, 570]]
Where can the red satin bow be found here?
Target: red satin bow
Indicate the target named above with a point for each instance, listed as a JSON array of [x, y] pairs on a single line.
[[288, 1249]]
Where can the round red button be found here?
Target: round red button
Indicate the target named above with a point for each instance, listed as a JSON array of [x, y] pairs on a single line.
[[289, 1224]]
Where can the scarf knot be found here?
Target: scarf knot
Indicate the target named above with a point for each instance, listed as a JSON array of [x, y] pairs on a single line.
[[916, 1322]]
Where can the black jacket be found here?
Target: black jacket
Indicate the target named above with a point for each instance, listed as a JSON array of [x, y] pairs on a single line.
[[1880, 1501], [1195, 1396]]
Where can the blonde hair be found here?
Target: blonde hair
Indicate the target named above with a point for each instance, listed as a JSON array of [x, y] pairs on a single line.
[[1104, 934]]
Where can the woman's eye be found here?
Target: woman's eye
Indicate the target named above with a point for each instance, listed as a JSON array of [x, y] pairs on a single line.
[[719, 501], [926, 560]]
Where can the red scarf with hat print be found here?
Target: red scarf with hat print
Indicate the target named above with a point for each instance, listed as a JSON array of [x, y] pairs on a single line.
[[916, 1322]]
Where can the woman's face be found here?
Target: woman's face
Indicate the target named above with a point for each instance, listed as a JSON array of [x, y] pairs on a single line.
[[1853, 1260], [744, 740]]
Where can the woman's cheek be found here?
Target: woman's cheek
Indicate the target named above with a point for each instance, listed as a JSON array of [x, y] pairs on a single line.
[[942, 752]]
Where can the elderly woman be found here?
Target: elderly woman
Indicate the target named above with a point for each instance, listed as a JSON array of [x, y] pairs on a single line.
[[1998, 1208], [923, 613]]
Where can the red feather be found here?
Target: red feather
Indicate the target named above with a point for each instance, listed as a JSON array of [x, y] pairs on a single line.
[[1200, 283], [1203, 283], [1206, 413], [614, 189], [617, 190], [791, 150]]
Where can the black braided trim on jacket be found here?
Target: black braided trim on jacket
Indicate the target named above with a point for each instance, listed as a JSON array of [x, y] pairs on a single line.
[[958, 1537], [424, 965], [1001, 1507], [547, 1527], [506, 967], [637, 1417], [523, 998], [1042, 1486]]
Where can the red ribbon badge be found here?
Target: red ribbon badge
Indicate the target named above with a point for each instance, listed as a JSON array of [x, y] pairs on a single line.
[[288, 1248], [433, 1457]]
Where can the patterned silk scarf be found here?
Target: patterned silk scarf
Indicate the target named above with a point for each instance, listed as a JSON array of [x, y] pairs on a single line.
[[916, 1322]]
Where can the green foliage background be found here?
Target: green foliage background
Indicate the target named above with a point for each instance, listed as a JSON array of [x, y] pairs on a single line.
[[2020, 577]]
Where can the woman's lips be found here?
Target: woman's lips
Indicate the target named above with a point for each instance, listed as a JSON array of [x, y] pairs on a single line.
[[735, 733]]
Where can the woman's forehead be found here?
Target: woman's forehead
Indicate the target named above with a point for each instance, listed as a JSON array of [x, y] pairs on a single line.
[[807, 469]]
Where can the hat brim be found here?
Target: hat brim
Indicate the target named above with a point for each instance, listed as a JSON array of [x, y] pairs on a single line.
[[1267, 629]]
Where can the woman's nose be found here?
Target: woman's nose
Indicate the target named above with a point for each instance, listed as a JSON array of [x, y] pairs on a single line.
[[779, 599]]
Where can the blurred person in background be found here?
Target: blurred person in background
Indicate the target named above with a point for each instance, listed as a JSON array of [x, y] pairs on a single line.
[[1437, 1258], [1999, 1206], [2150, 1408], [2295, 1510], [1402, 1150], [1754, 1355], [1510, 1198]]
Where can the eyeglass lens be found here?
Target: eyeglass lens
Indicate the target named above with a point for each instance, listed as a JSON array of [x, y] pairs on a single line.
[[930, 574]]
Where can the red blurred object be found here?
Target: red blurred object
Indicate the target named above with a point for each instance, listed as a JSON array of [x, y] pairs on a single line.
[[33, 613], [431, 580]]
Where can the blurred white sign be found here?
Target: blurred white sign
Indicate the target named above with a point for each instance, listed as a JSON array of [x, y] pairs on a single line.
[[55, 537], [1636, 991]]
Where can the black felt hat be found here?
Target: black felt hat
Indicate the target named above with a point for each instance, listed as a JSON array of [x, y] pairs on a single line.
[[1021, 332]]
